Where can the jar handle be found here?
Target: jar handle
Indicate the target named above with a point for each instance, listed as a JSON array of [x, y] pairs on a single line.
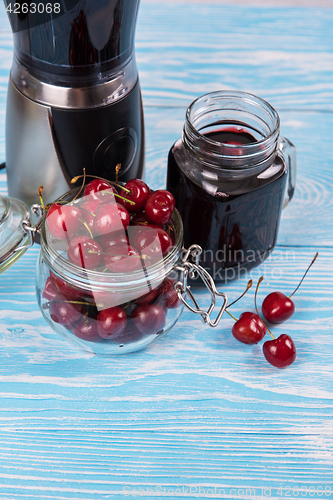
[[188, 268], [289, 154]]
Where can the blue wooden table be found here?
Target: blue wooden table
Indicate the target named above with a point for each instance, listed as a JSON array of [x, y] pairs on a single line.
[[197, 414]]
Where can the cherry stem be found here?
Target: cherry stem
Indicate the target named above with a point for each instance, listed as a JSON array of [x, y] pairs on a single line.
[[49, 205], [88, 228], [306, 272], [233, 317], [40, 192], [118, 168], [47, 304], [125, 199], [250, 283], [84, 181], [81, 188], [255, 304], [75, 179]]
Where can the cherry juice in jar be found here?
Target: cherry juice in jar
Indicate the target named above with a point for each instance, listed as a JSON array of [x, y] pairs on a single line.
[[229, 180]]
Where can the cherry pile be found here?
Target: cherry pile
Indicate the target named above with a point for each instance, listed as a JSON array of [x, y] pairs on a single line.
[[112, 231], [116, 229], [276, 308]]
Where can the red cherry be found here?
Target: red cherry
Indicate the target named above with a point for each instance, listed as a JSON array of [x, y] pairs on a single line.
[[68, 291], [131, 334], [85, 252], [110, 217], [97, 185], [139, 195], [149, 319], [90, 205], [63, 312], [277, 307], [169, 295], [89, 210], [152, 240], [280, 352], [107, 241], [86, 329], [111, 322], [141, 220], [122, 259], [159, 206], [249, 329], [49, 291], [149, 297], [63, 221], [106, 195]]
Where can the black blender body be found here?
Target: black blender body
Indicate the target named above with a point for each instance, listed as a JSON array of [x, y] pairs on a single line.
[[74, 98]]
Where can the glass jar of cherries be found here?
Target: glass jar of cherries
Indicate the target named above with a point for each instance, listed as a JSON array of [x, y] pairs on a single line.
[[106, 270], [112, 273]]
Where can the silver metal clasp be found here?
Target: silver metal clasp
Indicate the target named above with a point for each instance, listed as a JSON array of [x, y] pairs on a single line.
[[193, 269], [31, 230]]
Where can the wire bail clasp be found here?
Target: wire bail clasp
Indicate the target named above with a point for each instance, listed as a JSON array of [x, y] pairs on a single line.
[[31, 230], [193, 269]]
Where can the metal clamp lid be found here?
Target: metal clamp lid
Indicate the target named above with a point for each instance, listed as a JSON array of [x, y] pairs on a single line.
[[192, 269]]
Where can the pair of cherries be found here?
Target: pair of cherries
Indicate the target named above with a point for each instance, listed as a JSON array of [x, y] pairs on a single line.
[[276, 308]]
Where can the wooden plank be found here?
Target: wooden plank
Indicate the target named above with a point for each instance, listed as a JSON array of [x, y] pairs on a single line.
[[196, 409], [283, 55]]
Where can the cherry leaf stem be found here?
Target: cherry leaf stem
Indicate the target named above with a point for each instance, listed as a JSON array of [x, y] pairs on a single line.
[[233, 317], [306, 272], [255, 305], [250, 283], [75, 179]]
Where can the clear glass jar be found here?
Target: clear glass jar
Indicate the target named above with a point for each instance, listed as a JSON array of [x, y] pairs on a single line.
[[71, 298], [228, 173], [102, 306]]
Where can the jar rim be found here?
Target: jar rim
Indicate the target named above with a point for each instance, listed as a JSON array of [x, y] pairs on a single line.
[[211, 150], [4, 203], [98, 281]]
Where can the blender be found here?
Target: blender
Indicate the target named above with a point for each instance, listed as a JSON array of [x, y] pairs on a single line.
[[74, 99]]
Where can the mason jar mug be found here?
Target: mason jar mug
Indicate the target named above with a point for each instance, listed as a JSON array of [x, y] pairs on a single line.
[[231, 174]]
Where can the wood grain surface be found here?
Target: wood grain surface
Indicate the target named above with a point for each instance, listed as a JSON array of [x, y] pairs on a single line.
[[195, 415]]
